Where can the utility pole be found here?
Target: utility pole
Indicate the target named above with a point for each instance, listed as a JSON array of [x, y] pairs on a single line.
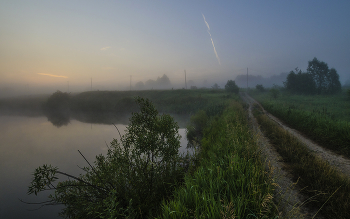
[[68, 85], [91, 84], [185, 80], [130, 82]]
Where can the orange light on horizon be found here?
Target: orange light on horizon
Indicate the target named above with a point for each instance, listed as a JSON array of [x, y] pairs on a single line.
[[57, 76]]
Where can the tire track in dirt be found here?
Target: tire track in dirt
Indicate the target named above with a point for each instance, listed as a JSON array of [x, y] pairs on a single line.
[[287, 195], [340, 162]]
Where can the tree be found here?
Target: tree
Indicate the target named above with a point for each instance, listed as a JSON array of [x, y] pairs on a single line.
[[231, 87], [300, 83], [140, 85], [260, 87], [57, 108], [215, 86], [327, 81], [334, 85], [274, 92], [137, 173]]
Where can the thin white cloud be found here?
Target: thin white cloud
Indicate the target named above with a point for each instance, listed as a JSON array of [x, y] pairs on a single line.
[[216, 54], [212, 42], [105, 48], [56, 76], [206, 23]]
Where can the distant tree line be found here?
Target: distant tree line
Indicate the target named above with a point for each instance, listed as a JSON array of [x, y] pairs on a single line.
[[161, 83], [318, 79]]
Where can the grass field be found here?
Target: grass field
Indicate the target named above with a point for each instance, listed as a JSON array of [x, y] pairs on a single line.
[[325, 119]]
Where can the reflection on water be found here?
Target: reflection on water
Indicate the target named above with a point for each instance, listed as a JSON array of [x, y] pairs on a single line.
[[58, 119], [27, 143]]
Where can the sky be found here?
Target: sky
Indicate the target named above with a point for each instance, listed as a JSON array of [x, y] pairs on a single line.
[[63, 45]]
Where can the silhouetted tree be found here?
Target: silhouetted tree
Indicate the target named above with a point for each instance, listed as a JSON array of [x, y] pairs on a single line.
[[231, 87], [163, 81], [215, 86], [57, 108], [327, 81], [140, 85], [260, 87], [300, 83], [334, 85]]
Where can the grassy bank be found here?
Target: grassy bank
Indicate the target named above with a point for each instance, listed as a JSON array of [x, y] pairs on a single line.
[[167, 101], [329, 188], [230, 181], [325, 119]]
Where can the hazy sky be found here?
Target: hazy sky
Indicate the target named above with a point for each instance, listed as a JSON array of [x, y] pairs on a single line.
[[53, 43]]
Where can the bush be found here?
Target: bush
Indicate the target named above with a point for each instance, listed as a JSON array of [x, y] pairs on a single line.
[[274, 92], [260, 87], [231, 87], [197, 124], [130, 181], [58, 101], [57, 108]]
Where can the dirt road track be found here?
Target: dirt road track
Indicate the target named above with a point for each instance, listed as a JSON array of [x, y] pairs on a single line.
[[340, 162], [287, 194]]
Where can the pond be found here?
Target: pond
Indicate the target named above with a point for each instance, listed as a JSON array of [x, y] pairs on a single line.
[[29, 142]]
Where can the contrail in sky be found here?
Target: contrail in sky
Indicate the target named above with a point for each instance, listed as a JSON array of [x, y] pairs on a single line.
[[57, 76], [212, 42]]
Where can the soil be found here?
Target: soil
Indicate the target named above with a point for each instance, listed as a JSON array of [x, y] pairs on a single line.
[[289, 200]]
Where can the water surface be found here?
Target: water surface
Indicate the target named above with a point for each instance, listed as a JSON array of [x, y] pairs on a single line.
[[29, 142]]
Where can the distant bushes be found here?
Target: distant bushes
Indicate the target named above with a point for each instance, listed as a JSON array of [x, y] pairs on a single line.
[[231, 87], [58, 101], [57, 108], [260, 87]]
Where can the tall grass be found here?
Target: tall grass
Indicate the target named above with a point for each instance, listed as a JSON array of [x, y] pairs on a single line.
[[318, 119], [330, 187], [230, 181]]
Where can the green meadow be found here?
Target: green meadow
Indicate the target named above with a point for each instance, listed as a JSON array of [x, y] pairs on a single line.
[[323, 118]]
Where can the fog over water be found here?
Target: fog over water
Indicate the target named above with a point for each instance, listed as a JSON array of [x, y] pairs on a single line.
[[29, 142]]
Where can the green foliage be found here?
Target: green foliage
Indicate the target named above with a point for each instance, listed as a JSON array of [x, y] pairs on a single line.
[[348, 93], [215, 86], [318, 79], [325, 119], [260, 87], [231, 87], [57, 108], [275, 93], [231, 181], [196, 126], [137, 173], [327, 80], [58, 101], [300, 83]]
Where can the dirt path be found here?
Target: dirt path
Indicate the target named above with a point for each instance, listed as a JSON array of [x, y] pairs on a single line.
[[288, 196], [340, 162]]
